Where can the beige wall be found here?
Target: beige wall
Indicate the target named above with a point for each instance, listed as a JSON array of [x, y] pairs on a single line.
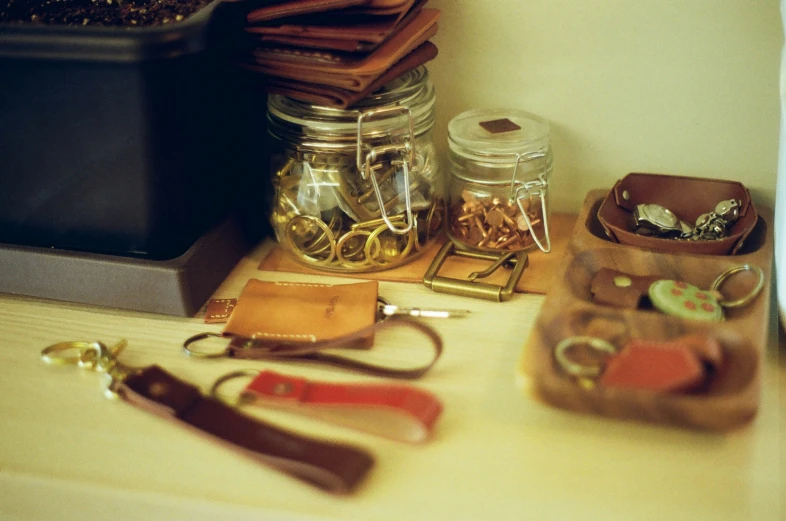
[[682, 87]]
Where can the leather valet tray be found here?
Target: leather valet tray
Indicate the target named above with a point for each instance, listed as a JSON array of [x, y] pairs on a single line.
[[732, 397]]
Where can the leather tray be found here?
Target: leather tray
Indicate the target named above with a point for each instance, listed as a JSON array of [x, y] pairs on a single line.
[[732, 397], [688, 197]]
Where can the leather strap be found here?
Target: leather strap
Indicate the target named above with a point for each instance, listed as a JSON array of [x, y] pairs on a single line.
[[256, 349], [400, 412], [335, 468], [249, 349]]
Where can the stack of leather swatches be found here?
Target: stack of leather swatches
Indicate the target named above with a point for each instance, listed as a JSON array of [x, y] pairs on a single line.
[[337, 52]]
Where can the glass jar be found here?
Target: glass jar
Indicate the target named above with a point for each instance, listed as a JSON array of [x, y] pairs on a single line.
[[360, 189], [500, 164]]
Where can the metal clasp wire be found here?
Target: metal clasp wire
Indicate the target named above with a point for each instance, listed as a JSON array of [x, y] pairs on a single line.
[[537, 188], [364, 162]]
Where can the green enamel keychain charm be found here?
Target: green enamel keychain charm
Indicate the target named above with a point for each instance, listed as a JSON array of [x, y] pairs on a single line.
[[687, 301]]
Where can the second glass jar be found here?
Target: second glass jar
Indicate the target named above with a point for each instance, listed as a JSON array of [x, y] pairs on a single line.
[[360, 189], [500, 165]]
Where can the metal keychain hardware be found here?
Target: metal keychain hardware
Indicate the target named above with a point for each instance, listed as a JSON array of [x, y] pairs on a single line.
[[662, 222], [387, 309], [93, 356], [581, 370]]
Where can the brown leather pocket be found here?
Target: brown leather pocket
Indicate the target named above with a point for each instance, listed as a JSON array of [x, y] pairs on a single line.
[[686, 197], [303, 313]]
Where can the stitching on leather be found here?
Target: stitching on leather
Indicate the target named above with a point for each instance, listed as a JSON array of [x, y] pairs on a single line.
[[304, 284], [310, 338]]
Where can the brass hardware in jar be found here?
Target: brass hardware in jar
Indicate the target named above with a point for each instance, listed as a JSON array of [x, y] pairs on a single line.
[[500, 167], [357, 190]]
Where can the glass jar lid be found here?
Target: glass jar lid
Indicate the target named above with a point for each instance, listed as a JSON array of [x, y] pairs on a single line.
[[497, 135], [317, 126]]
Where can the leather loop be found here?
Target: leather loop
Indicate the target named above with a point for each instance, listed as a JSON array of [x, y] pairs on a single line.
[[253, 349], [688, 198], [335, 468], [400, 412]]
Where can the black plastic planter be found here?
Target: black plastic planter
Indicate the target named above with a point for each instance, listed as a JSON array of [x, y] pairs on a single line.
[[128, 142]]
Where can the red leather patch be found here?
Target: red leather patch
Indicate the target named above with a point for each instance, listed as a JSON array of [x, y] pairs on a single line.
[[654, 367]]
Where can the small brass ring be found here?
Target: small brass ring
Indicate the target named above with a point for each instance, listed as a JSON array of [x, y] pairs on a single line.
[[733, 271], [49, 355], [331, 244], [241, 373], [346, 260], [579, 370], [374, 236], [201, 354]]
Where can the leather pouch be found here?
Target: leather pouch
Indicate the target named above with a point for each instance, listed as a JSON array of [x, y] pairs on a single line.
[[341, 98], [345, 70], [303, 313], [686, 197]]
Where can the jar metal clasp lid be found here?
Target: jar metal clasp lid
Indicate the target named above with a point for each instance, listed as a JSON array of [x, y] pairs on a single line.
[[367, 155], [537, 188]]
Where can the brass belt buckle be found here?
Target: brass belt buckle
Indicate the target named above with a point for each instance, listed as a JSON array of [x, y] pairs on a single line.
[[468, 287]]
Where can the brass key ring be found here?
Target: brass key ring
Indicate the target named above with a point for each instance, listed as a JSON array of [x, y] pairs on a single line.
[[361, 236], [723, 277], [309, 254], [579, 370], [51, 354], [187, 349], [374, 239]]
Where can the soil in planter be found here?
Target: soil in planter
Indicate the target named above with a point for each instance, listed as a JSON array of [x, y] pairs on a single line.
[[113, 13]]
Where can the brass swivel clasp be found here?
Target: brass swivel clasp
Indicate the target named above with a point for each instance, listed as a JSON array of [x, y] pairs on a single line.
[[94, 356]]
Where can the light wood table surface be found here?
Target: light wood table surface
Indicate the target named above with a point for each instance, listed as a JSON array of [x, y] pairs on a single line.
[[68, 453]]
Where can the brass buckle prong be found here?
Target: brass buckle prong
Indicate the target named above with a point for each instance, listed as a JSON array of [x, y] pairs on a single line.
[[468, 287]]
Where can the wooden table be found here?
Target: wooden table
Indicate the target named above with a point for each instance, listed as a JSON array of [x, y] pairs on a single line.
[[66, 452]]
